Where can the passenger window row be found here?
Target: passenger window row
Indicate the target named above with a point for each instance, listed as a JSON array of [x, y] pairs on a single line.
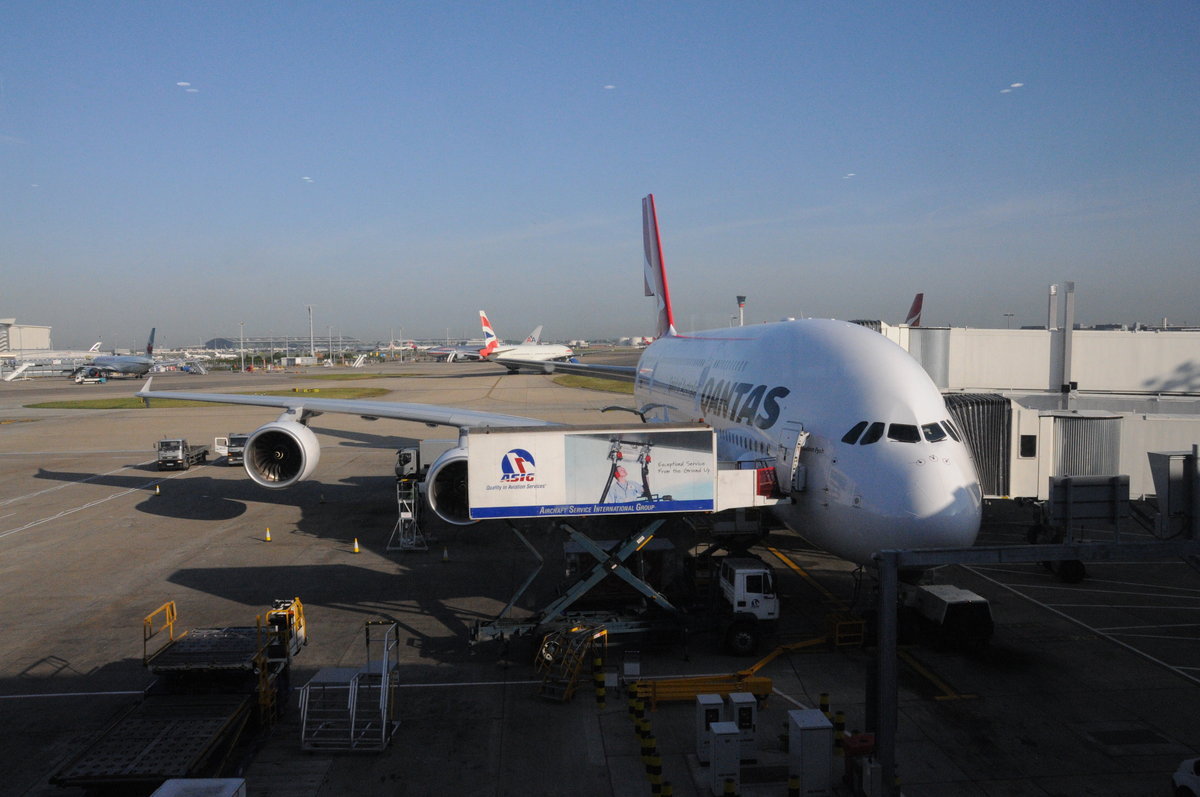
[[866, 432]]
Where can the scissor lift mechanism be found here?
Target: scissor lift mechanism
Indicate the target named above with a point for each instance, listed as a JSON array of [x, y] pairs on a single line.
[[556, 614]]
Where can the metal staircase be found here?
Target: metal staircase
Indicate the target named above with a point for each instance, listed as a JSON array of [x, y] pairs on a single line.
[[561, 657], [343, 709], [407, 534]]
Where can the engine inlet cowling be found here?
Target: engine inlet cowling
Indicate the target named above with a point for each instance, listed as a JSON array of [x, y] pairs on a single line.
[[281, 454], [446, 487]]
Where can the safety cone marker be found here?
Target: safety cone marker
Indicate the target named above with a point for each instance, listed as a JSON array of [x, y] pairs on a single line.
[[356, 544], [268, 537], [445, 554], [156, 492]]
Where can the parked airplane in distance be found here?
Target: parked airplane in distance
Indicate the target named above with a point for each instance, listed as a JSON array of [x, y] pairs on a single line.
[[858, 433], [913, 319], [110, 365], [529, 350]]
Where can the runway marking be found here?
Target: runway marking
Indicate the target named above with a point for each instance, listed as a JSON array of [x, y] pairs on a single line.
[[88, 505], [1110, 637], [73, 453], [1167, 637], [7, 501], [1140, 627], [71, 694], [800, 571]]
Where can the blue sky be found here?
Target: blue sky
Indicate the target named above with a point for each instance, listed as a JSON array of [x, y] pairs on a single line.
[[401, 165]]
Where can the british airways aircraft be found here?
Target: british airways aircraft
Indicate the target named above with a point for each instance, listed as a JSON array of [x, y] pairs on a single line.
[[860, 436], [529, 350]]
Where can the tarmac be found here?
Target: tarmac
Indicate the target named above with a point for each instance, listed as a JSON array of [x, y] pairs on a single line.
[[1087, 689]]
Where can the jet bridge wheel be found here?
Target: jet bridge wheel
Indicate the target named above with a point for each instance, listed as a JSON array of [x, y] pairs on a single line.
[[1069, 571]]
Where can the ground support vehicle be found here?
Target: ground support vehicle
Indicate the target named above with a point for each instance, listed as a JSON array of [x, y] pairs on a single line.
[[214, 686], [946, 616], [233, 448], [177, 454], [744, 608]]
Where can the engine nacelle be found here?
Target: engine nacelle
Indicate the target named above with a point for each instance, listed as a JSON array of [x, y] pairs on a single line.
[[281, 454], [446, 487]]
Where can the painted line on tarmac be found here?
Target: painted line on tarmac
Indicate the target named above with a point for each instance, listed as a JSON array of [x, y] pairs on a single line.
[[89, 505], [72, 453], [64, 485], [72, 694], [1177, 669]]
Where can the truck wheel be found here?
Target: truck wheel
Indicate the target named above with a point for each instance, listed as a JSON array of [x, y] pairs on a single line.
[[742, 638], [1071, 571]]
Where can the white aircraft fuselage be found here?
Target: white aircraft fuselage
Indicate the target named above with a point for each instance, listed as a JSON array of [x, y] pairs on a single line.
[[760, 386]]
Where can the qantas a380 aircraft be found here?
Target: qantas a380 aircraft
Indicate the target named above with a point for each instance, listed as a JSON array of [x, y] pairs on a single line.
[[859, 434]]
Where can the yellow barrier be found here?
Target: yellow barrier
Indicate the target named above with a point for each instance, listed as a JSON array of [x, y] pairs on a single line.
[[677, 689]]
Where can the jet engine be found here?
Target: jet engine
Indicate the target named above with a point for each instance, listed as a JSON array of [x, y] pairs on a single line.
[[282, 453], [446, 487]]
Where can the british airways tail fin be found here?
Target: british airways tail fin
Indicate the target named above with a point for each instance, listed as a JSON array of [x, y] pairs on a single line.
[[914, 312], [654, 273], [490, 341], [150, 344], [536, 335]]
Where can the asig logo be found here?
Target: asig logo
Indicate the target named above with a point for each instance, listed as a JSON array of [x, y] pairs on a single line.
[[517, 466]]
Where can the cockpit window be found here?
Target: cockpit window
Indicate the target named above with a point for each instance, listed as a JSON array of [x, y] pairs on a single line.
[[852, 435], [953, 431], [933, 432], [904, 433], [874, 432]]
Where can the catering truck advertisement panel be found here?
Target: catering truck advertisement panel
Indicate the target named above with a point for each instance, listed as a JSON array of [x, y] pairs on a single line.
[[552, 472]]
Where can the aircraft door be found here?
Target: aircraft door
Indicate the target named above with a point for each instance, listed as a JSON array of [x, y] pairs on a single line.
[[789, 464]]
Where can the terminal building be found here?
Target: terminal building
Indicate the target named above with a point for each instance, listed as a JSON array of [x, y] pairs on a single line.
[[16, 337]]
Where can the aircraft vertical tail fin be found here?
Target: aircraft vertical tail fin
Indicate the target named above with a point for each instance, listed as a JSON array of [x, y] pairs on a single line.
[[653, 270], [490, 341], [95, 346], [535, 336], [150, 343], [914, 312]]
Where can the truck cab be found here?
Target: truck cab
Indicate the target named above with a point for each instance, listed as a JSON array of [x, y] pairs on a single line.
[[750, 602], [176, 453], [233, 447]]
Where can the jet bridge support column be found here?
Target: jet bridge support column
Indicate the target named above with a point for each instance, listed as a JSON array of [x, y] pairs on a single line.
[[887, 664]]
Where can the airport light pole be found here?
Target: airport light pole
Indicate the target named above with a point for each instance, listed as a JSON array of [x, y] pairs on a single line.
[[242, 343], [312, 348], [1008, 317]]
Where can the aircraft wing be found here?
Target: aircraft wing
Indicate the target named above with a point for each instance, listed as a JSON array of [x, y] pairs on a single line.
[[308, 405], [620, 373]]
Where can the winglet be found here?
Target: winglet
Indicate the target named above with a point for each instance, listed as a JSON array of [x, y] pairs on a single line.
[[654, 272], [914, 312], [145, 389]]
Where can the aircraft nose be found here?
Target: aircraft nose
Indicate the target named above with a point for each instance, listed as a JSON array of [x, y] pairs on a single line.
[[935, 504], [947, 503]]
